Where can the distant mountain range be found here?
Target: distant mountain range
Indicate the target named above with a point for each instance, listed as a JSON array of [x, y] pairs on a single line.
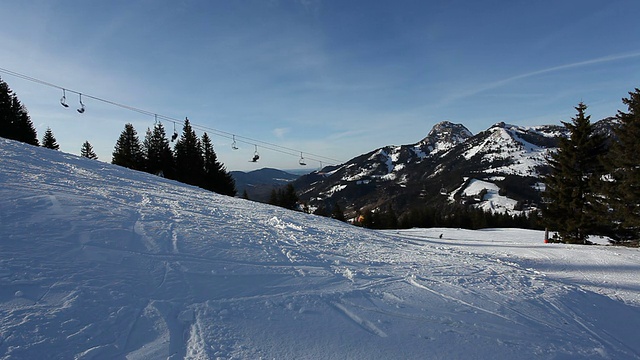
[[498, 169], [259, 183]]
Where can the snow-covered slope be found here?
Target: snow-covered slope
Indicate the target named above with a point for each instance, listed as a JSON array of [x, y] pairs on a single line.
[[516, 149], [97, 262]]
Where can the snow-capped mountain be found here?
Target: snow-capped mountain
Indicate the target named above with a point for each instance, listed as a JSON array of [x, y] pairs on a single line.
[[444, 136], [374, 178], [504, 163], [101, 262]]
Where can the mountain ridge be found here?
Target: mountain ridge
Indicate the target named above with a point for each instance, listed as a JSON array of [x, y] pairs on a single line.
[[509, 159]]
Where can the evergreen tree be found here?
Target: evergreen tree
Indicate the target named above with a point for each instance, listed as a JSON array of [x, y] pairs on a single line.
[[157, 153], [289, 197], [286, 197], [215, 176], [337, 213], [245, 194], [87, 151], [128, 150], [188, 155], [273, 198], [15, 122], [568, 195], [622, 192], [49, 141]]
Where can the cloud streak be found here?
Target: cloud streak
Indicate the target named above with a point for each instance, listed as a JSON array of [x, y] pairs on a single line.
[[503, 82]]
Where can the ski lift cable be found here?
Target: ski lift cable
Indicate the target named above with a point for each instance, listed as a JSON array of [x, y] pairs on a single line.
[[271, 146], [156, 116]]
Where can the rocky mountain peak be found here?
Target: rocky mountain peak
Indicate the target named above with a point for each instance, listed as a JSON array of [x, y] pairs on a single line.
[[445, 135]]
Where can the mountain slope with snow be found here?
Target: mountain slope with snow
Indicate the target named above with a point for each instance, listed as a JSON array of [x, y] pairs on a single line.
[[509, 158], [97, 261]]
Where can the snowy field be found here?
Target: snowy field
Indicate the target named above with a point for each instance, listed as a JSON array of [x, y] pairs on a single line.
[[99, 262]]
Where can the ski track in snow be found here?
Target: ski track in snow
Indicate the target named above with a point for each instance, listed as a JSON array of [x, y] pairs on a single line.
[[101, 262]]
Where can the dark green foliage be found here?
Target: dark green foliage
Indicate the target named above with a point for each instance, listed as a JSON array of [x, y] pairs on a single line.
[[87, 151], [195, 162], [622, 191], [380, 219], [49, 141], [189, 158], [285, 197], [328, 209], [245, 194], [215, 177], [569, 204], [337, 213], [15, 122], [128, 150], [157, 153], [320, 211], [459, 216]]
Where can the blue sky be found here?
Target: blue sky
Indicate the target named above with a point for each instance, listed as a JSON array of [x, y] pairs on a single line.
[[332, 78]]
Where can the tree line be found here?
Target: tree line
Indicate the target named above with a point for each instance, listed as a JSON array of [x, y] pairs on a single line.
[[192, 161]]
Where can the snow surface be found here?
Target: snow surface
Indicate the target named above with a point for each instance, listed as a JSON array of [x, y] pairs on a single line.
[[99, 262]]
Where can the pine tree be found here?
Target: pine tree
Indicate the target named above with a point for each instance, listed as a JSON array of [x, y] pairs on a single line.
[[158, 154], [289, 197], [285, 197], [569, 209], [49, 141], [87, 151], [15, 122], [128, 150], [622, 192], [273, 198], [215, 176], [188, 155], [337, 213]]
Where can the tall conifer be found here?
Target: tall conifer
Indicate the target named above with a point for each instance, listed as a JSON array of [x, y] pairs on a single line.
[[128, 150], [569, 209], [15, 122], [188, 153], [215, 177], [87, 151], [158, 154], [49, 141], [622, 192]]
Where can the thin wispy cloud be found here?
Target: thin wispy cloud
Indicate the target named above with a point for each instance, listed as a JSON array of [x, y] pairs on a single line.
[[507, 81], [280, 132]]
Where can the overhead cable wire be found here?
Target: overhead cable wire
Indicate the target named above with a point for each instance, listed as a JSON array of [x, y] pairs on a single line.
[[156, 116]]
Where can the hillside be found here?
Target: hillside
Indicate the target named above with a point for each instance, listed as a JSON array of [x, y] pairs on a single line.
[[503, 164], [259, 183], [101, 262]]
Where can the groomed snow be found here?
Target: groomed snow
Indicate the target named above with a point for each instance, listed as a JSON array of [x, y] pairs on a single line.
[[98, 262]]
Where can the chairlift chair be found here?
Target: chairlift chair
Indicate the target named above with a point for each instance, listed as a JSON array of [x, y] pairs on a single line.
[[301, 162], [256, 156], [175, 133], [443, 191], [81, 109], [63, 99], [234, 146]]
